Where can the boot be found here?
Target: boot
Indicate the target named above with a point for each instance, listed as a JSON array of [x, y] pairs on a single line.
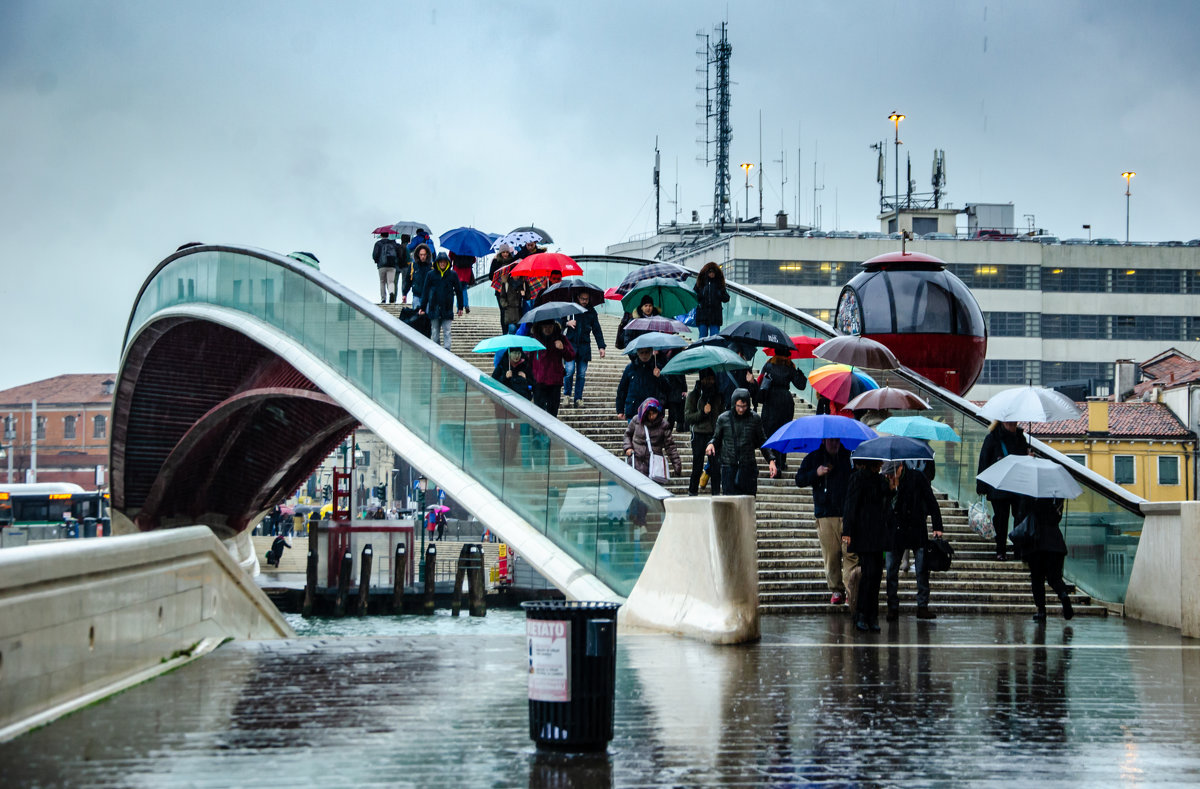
[[861, 624], [1040, 616], [852, 589], [923, 612], [1068, 611], [893, 613]]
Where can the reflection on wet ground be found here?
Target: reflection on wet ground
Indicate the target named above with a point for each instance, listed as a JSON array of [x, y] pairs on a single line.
[[1093, 702]]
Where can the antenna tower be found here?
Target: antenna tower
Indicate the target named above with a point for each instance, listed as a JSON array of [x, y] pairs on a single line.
[[718, 130]]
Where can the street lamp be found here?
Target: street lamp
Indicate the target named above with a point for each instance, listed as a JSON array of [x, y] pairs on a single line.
[[747, 167], [895, 118], [422, 486], [1127, 176]]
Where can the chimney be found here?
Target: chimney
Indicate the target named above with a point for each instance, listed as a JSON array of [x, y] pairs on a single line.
[[1097, 416], [106, 386], [1125, 379]]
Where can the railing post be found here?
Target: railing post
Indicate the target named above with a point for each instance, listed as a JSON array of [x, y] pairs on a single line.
[[399, 573], [364, 579], [430, 582]]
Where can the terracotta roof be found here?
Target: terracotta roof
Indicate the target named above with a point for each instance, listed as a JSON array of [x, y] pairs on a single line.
[[60, 390], [1128, 420]]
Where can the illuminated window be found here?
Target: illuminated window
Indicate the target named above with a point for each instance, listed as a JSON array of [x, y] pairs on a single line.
[[1168, 470]]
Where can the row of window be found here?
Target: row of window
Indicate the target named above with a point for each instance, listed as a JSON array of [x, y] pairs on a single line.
[[1093, 327], [1125, 468], [1026, 371], [99, 427], [834, 273]]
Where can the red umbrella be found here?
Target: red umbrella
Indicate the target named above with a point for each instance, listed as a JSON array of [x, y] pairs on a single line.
[[383, 230], [543, 264], [804, 347], [612, 294], [533, 285]]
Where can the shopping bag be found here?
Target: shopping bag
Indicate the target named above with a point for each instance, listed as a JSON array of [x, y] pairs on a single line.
[[981, 521]]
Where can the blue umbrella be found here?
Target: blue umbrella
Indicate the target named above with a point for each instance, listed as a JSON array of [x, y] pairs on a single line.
[[507, 341], [917, 427], [466, 241], [806, 433], [892, 448]]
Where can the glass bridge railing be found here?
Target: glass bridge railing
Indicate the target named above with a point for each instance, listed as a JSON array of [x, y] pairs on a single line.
[[1101, 527], [592, 506]]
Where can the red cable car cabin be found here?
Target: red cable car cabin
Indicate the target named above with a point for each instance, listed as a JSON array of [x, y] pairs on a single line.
[[923, 313]]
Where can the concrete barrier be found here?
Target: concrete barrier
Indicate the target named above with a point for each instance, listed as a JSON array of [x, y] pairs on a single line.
[[701, 578], [1164, 585], [83, 619]]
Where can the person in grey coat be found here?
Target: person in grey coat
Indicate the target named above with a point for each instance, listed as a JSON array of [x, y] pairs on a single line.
[[738, 434]]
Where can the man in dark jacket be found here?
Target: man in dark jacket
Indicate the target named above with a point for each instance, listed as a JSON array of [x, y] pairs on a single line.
[[915, 505], [700, 411], [865, 534], [579, 330], [386, 255], [442, 288], [827, 470], [738, 434], [639, 381]]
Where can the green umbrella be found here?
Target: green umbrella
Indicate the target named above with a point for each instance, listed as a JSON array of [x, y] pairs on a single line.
[[706, 356], [671, 296], [506, 341]]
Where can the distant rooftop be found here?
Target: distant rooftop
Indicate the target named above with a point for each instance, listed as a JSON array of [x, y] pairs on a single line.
[[70, 389], [1125, 420]]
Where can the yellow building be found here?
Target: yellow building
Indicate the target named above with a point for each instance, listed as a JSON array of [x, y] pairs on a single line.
[[1143, 447]]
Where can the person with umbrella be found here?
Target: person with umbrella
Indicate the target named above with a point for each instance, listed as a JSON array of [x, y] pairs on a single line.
[[865, 535], [579, 330], [913, 507], [649, 434], [422, 264], [531, 248], [513, 372], [700, 411], [511, 298], [738, 433], [712, 294], [442, 289], [645, 309], [1045, 555], [827, 471], [464, 268], [1003, 439], [502, 259], [548, 372], [388, 257], [641, 379], [774, 394]]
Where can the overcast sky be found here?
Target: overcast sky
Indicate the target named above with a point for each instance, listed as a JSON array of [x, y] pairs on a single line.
[[132, 127]]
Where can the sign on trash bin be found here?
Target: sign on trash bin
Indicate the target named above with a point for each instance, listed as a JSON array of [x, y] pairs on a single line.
[[549, 642]]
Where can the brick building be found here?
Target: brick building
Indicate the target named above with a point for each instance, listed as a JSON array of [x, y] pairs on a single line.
[[73, 413]]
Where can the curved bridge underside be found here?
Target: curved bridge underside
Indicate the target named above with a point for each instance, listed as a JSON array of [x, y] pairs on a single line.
[[211, 427]]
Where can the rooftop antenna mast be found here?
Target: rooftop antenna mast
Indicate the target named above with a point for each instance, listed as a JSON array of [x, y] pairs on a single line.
[[657, 190], [816, 209], [939, 176], [782, 162], [717, 125], [760, 170], [879, 168]]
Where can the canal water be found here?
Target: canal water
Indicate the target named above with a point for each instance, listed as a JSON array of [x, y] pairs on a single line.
[[499, 621]]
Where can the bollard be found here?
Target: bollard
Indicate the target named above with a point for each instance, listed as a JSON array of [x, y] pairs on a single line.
[[310, 582], [476, 589], [460, 571], [430, 584], [343, 587], [364, 580], [399, 571]]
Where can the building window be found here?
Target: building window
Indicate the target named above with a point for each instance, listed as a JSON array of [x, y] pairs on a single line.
[[1074, 280], [10, 428], [1100, 373], [68, 427], [1168, 470], [41, 428], [1013, 324], [924, 224], [100, 429], [990, 277], [1003, 371], [1080, 459], [1123, 470]]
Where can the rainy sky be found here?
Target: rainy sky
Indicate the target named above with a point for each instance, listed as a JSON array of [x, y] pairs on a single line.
[[132, 127]]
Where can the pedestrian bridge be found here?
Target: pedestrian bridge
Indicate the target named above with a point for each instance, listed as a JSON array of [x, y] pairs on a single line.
[[242, 369]]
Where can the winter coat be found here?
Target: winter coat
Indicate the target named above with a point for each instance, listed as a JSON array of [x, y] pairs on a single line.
[[829, 491], [585, 324], [693, 410], [441, 290], [417, 240], [712, 293], [637, 383], [736, 438], [520, 382], [865, 521], [524, 252], [1046, 514], [623, 336], [464, 267], [388, 254], [915, 504], [661, 440], [775, 394], [548, 364], [511, 298], [998, 443], [417, 271]]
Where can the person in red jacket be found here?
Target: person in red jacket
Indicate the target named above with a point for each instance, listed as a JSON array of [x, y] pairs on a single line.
[[548, 368]]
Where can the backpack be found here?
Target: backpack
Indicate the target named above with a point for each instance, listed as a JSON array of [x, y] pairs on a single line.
[[387, 255]]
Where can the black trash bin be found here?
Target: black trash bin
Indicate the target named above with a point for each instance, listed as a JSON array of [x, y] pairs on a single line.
[[572, 652]]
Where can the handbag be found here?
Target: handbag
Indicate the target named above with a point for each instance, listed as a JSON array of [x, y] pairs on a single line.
[[658, 463], [1024, 534], [981, 521], [938, 554]]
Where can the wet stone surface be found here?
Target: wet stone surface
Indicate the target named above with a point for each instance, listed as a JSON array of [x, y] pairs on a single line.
[[961, 700]]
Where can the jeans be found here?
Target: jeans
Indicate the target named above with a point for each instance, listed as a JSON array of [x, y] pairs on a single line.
[[441, 328], [707, 329], [575, 373], [464, 292], [893, 577]]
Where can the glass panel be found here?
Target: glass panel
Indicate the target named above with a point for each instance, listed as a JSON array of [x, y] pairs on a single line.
[[416, 380], [449, 414], [360, 344], [291, 303]]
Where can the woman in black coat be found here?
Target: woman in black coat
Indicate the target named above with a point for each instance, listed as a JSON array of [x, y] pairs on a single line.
[[865, 532], [1003, 438], [774, 394], [712, 295], [1046, 555]]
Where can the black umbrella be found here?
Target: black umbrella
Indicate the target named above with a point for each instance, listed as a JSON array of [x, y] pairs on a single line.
[[552, 311], [668, 270], [768, 335], [531, 229], [892, 448], [568, 289]]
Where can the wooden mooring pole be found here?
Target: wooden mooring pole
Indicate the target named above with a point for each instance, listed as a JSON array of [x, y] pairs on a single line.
[[399, 575], [310, 581], [430, 573], [343, 587], [364, 580]]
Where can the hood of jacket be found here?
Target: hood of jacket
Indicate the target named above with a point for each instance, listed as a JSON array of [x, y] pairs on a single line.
[[740, 394], [428, 262], [702, 277], [647, 404]]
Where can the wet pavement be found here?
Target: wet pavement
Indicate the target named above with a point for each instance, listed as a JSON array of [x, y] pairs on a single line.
[[976, 700]]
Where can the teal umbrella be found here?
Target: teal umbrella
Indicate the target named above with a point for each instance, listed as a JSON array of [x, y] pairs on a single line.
[[917, 427], [507, 341], [706, 356], [671, 296]]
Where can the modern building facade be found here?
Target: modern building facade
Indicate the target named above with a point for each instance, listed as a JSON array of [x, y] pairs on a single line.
[[69, 442]]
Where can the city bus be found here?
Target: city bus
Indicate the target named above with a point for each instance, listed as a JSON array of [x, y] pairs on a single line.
[[50, 511]]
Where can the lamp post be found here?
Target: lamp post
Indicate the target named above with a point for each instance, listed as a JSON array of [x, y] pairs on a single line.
[[747, 167], [422, 486], [895, 118], [1127, 176]]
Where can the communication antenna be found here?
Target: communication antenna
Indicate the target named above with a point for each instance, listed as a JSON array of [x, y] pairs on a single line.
[[657, 191], [782, 162], [816, 208], [760, 169], [879, 169], [718, 129], [939, 175]]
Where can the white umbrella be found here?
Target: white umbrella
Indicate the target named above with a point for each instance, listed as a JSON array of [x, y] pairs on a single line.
[[1031, 476], [1030, 404]]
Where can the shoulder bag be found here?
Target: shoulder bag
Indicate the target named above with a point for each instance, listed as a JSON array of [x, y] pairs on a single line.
[[658, 463]]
